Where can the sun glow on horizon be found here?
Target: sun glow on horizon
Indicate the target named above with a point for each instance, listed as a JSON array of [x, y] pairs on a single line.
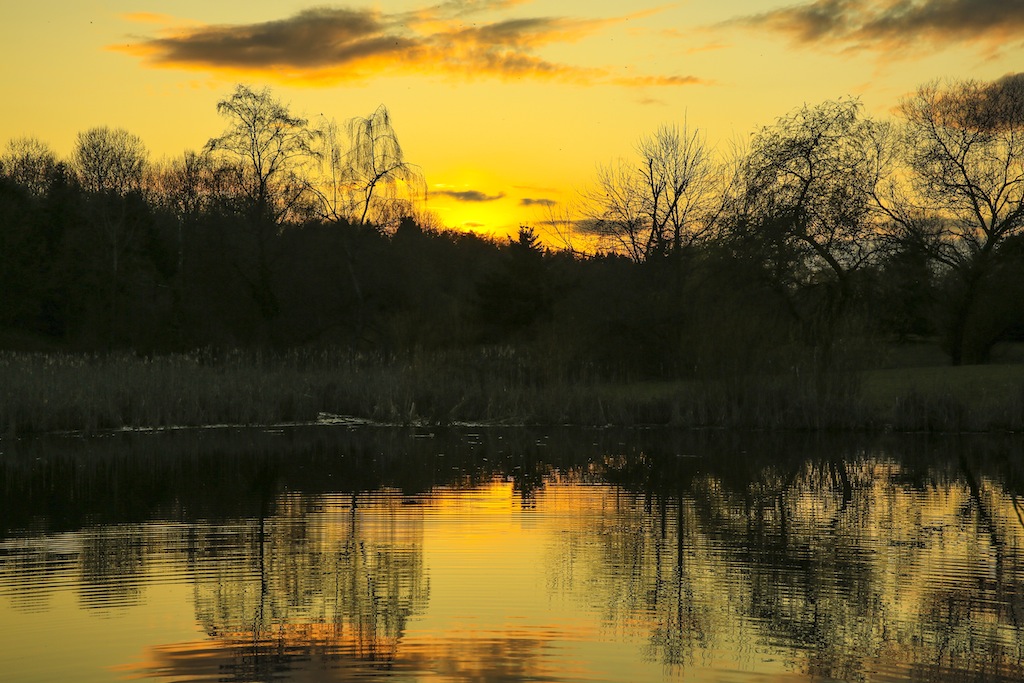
[[524, 94]]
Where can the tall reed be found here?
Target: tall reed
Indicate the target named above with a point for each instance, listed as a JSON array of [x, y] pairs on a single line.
[[89, 393]]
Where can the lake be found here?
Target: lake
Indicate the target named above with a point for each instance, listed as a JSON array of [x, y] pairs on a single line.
[[372, 554]]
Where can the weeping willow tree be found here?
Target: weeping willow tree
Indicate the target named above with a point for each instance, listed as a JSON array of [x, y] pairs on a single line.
[[369, 180]]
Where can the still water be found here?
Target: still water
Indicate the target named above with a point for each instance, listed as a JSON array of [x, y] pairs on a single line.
[[333, 554]]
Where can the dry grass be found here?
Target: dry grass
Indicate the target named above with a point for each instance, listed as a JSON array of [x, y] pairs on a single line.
[[65, 392], [948, 399]]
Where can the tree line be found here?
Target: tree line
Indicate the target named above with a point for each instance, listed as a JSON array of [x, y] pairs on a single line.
[[817, 240]]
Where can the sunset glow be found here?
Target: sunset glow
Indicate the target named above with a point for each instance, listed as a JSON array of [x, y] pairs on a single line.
[[508, 106]]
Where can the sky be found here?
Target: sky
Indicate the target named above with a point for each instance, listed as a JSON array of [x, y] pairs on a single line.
[[508, 106]]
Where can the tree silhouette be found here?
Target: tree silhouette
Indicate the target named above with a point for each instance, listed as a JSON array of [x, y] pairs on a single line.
[[808, 179], [111, 166], [965, 147], [805, 207], [516, 296], [271, 149], [826, 227], [22, 252], [657, 204], [109, 160], [30, 163], [368, 178]]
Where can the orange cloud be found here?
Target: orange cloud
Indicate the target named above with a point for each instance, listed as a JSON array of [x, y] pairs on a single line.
[[148, 18], [330, 45]]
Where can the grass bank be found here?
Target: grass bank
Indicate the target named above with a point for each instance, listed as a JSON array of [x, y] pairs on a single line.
[[968, 398], [65, 392]]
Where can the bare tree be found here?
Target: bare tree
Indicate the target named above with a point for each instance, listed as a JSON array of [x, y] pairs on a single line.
[[965, 150], [186, 187], [659, 203], [109, 160], [30, 163], [369, 180], [560, 227], [111, 165], [186, 183], [614, 212], [271, 149], [267, 153]]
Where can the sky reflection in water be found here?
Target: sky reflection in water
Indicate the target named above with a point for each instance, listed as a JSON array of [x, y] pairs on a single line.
[[510, 556]]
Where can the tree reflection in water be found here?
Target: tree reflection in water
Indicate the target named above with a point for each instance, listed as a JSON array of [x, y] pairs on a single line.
[[887, 560], [330, 578], [864, 564]]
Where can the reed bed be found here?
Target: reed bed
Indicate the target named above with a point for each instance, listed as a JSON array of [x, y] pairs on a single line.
[[91, 393]]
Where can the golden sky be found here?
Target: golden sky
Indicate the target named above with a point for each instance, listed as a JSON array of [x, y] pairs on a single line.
[[508, 106]]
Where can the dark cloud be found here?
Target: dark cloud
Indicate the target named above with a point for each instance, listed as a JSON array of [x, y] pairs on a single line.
[[313, 38], [895, 24], [590, 226], [468, 195], [510, 32], [530, 201], [662, 80], [338, 44], [989, 106]]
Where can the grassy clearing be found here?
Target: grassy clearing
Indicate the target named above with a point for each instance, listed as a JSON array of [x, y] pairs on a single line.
[[63, 392], [964, 398]]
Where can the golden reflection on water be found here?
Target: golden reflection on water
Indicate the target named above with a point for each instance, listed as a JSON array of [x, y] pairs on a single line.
[[815, 570]]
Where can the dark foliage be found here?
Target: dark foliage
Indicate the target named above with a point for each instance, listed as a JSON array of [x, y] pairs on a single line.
[[788, 274], [99, 271]]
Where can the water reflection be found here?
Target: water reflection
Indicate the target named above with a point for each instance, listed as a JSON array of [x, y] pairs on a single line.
[[506, 556], [324, 578]]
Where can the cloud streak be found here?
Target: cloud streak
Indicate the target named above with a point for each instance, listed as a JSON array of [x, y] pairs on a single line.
[[532, 201], [331, 45], [468, 195], [895, 25]]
